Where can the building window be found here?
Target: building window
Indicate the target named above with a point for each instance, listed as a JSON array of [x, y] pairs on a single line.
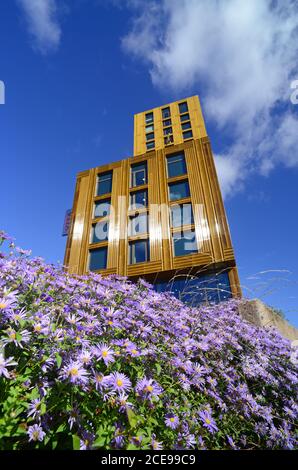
[[169, 139], [150, 145], [138, 199], [184, 117], [167, 122], [150, 136], [179, 190], [181, 214], [176, 165], [168, 131], [186, 125], [166, 113], [100, 232], [138, 224], [104, 183], [183, 108], [184, 244], [98, 258], [149, 118], [102, 208], [187, 135], [149, 128], [139, 174], [139, 251]]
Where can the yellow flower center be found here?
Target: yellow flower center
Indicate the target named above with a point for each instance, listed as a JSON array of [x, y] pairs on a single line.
[[134, 351], [104, 353], [110, 322], [98, 378], [74, 372], [172, 420], [119, 382], [12, 335], [35, 435], [149, 388], [207, 421], [155, 445], [37, 328], [2, 305]]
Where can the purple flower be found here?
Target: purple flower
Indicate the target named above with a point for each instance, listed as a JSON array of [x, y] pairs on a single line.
[[4, 363], [118, 382], [208, 421], [34, 408], [104, 352], [75, 372], [148, 388], [36, 433], [172, 421], [156, 445]]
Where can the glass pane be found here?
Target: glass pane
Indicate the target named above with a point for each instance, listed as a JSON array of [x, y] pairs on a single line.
[[167, 122], [138, 199], [187, 134], [149, 118], [98, 259], [150, 128], [139, 251], [138, 224], [169, 139], [181, 214], [104, 183], [186, 125], [100, 232], [138, 174], [102, 208], [183, 108], [166, 113], [150, 136], [184, 243], [185, 117], [150, 145], [179, 190], [176, 165], [167, 131]]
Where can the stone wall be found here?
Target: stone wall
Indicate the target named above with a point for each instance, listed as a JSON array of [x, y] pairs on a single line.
[[256, 312]]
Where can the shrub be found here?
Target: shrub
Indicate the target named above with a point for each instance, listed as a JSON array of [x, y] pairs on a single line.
[[90, 362]]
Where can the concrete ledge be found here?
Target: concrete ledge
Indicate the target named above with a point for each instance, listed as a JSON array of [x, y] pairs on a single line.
[[258, 313]]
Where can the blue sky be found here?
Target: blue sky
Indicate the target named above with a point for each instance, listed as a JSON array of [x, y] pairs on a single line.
[[75, 73]]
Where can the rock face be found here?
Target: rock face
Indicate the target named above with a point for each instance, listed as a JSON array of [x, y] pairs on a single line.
[[256, 312]]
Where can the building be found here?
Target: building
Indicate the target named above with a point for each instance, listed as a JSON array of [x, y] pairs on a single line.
[[158, 215]]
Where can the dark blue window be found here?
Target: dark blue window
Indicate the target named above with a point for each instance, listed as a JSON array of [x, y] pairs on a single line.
[[98, 259], [100, 232], [150, 136], [183, 108], [184, 243], [184, 117], [181, 214], [150, 145], [186, 125], [167, 123], [176, 165], [138, 199], [187, 135], [149, 118], [139, 251], [179, 190], [197, 290], [102, 208], [139, 174], [166, 113], [104, 183]]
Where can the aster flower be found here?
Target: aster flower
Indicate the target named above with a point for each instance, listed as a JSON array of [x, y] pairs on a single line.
[[34, 408], [123, 402], [148, 388], [104, 352], [85, 356], [36, 433], [172, 421], [75, 372], [100, 380], [156, 445], [208, 421], [4, 363], [17, 337], [119, 382]]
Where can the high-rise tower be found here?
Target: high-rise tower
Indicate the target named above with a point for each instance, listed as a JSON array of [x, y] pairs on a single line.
[[159, 214]]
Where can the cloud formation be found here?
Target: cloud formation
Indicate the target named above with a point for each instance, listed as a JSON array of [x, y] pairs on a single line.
[[42, 23], [242, 57]]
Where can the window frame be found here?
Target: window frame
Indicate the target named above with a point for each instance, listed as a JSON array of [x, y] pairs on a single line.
[[101, 248], [132, 251], [177, 183], [132, 174], [98, 182], [172, 156]]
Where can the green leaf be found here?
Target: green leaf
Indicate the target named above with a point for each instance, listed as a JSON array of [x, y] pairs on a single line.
[[58, 360], [75, 442], [132, 418], [158, 368]]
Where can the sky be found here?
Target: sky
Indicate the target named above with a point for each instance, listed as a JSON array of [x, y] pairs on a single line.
[[75, 72]]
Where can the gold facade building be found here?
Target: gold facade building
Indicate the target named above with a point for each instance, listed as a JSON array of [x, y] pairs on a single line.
[[158, 215]]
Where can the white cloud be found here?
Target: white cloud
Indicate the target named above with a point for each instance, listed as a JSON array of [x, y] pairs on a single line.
[[242, 56], [42, 22]]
